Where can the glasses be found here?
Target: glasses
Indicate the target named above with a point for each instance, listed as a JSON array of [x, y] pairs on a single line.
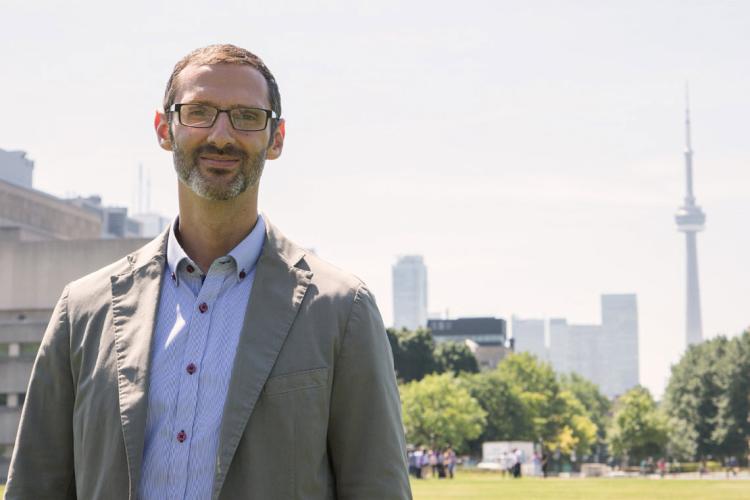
[[204, 116]]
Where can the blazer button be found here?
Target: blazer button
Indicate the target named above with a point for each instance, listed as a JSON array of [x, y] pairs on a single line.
[[203, 307], [181, 436]]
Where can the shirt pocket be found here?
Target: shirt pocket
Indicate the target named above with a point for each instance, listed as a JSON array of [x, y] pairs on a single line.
[[296, 381]]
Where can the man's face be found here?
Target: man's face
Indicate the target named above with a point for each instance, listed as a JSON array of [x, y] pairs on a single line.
[[220, 163]]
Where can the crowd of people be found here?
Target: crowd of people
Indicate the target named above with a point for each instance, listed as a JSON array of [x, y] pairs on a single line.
[[438, 463]]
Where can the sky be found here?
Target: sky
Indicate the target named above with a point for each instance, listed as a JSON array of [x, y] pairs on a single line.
[[531, 151]]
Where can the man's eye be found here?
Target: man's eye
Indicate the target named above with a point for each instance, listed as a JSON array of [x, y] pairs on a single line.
[[199, 112], [248, 115]]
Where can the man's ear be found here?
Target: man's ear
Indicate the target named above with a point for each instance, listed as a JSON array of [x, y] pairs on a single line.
[[277, 141], [161, 125]]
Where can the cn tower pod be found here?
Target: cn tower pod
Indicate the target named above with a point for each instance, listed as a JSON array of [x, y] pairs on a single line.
[[690, 219]]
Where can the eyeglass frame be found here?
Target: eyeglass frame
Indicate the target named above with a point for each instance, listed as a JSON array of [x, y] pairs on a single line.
[[175, 108]]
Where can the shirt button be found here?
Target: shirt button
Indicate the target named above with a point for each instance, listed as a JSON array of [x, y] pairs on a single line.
[[203, 307], [174, 277], [191, 368], [181, 436], [242, 274], [189, 268]]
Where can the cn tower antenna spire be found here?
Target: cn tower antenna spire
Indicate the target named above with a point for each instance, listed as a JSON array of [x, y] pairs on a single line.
[[688, 145]]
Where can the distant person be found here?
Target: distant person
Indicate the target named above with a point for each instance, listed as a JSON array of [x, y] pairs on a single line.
[[518, 459], [221, 360], [411, 458], [424, 462], [450, 460], [440, 456], [731, 465], [433, 462], [545, 463]]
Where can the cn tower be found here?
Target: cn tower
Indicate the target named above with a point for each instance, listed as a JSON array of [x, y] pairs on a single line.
[[690, 220]]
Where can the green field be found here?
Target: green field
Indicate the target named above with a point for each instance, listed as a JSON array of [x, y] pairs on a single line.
[[476, 486], [467, 486]]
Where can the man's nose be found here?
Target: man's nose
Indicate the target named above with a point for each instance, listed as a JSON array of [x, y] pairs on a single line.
[[222, 131]]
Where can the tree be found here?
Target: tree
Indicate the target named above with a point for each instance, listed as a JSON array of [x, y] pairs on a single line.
[[558, 420], [439, 412], [708, 397], [508, 417], [595, 404], [455, 357], [540, 392], [638, 429], [413, 358]]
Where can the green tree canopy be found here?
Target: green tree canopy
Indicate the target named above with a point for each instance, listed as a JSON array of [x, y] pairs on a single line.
[[413, 356], [508, 417], [638, 429], [708, 397], [558, 419], [455, 357], [439, 412], [596, 405]]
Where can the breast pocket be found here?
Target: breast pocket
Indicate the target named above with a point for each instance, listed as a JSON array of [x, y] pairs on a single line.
[[297, 381]]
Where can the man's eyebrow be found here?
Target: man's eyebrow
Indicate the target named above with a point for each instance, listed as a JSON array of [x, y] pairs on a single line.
[[234, 106]]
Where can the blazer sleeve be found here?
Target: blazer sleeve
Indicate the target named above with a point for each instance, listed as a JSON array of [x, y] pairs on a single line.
[[365, 434], [42, 463]]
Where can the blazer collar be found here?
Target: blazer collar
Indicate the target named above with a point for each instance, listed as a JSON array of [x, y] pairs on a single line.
[[135, 297], [281, 281]]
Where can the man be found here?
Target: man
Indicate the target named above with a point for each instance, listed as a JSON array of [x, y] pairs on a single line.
[[220, 360]]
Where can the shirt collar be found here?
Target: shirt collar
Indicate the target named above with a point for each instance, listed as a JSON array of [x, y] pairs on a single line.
[[245, 254]]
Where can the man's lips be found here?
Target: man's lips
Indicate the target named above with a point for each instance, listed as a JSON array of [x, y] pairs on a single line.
[[219, 161]]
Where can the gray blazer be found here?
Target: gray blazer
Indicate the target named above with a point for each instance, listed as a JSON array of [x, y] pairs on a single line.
[[312, 411]]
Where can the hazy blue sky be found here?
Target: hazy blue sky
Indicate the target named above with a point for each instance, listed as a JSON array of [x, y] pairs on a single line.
[[530, 150]]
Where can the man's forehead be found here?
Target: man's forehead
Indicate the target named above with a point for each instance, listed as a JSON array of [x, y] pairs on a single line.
[[236, 83]]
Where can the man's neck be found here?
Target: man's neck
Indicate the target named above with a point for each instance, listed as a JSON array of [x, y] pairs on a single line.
[[209, 229]]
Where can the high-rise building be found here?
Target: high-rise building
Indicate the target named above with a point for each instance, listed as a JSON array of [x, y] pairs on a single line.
[[691, 220], [620, 345], [528, 336], [409, 292], [605, 353]]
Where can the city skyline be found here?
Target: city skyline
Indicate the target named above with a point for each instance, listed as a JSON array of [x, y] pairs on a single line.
[[531, 153]]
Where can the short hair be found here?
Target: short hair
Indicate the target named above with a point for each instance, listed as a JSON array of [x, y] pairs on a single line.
[[224, 54]]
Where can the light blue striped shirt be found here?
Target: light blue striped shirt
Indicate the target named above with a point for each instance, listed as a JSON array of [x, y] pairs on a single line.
[[195, 339]]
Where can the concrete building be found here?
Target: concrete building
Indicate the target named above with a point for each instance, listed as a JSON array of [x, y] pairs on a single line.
[[409, 292], [16, 168], [691, 220], [605, 353], [486, 337], [27, 214], [115, 220], [45, 242]]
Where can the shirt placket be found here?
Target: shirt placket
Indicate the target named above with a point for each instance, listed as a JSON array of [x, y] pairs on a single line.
[[191, 368]]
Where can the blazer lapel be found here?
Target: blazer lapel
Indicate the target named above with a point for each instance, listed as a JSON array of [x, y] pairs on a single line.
[[278, 290], [135, 298]]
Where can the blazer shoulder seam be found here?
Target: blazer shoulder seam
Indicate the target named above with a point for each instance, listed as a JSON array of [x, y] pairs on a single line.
[[345, 335]]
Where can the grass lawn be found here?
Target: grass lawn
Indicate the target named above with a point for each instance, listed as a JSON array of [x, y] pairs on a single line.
[[476, 486], [468, 486]]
